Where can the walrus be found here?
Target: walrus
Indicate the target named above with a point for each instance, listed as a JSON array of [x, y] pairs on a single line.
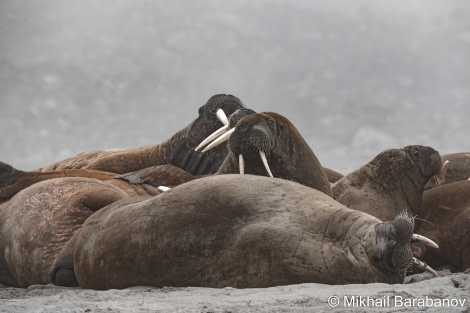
[[122, 161], [458, 169], [242, 231], [446, 220], [391, 182], [269, 144], [37, 221], [13, 180]]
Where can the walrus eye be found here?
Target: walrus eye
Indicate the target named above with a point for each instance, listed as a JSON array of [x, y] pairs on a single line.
[[415, 155], [271, 122]]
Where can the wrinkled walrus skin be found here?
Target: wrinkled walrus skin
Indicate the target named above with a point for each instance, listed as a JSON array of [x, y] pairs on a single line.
[[177, 150], [446, 220], [36, 223], [288, 155], [241, 231], [391, 182]]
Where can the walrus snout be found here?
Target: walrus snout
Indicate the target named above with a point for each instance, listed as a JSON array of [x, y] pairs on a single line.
[[401, 248]]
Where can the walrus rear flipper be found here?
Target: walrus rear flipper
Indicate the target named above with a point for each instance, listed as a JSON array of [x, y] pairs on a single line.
[[134, 178], [160, 175]]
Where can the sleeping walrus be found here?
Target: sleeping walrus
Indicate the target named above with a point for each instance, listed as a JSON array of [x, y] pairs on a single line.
[[174, 150], [391, 182], [37, 222], [235, 230]]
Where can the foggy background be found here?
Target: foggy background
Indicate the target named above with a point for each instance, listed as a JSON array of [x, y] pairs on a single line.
[[355, 77]]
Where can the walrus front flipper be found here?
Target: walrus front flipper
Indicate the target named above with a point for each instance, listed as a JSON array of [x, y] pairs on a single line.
[[10, 179], [160, 175], [62, 270], [63, 273], [195, 162]]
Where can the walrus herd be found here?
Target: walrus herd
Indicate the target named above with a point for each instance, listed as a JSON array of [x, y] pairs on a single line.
[[235, 199]]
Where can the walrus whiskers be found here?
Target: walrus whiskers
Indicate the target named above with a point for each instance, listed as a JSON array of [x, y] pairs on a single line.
[[425, 240], [241, 164]]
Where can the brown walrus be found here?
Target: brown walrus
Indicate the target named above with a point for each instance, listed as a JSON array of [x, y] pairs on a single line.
[[37, 221], [446, 220], [13, 180], [241, 231], [391, 182], [257, 136], [177, 150], [269, 144], [457, 170]]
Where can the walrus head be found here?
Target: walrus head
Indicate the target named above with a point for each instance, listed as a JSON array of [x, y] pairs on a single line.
[[269, 144], [212, 116], [397, 176], [394, 242], [419, 165], [253, 139]]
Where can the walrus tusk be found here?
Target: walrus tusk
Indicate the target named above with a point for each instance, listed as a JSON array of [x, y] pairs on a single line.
[[265, 162], [241, 164], [425, 240], [441, 176], [212, 136], [421, 265], [163, 188], [221, 116], [219, 140]]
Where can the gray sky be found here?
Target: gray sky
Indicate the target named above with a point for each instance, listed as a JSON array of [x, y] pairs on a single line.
[[355, 77]]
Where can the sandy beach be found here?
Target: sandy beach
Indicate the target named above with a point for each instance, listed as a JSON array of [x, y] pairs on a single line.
[[450, 292]]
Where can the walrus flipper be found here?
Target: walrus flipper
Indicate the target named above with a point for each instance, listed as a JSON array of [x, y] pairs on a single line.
[[63, 273], [194, 162], [133, 178], [160, 175]]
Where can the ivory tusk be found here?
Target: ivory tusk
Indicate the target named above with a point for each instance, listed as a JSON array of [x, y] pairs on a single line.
[[221, 116], [425, 240], [265, 162], [441, 176], [241, 164], [163, 188], [212, 136], [421, 265], [219, 140]]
